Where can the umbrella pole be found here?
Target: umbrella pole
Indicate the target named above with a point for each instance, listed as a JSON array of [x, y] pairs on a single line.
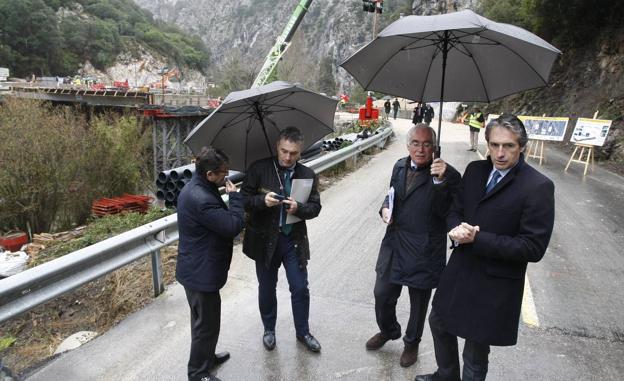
[[261, 120], [444, 54]]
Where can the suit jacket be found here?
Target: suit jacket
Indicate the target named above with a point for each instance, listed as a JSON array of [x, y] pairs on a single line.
[[413, 251], [207, 228], [262, 229], [480, 293]]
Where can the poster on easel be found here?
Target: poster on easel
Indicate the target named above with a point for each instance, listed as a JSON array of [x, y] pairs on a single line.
[[545, 128], [590, 131]]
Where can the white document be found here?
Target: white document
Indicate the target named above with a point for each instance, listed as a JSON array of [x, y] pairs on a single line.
[[300, 191], [390, 202]]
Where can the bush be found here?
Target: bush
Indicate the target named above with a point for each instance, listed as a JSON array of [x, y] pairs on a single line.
[[53, 164]]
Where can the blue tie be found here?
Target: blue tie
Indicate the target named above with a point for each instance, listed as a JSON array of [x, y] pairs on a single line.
[[286, 228], [492, 182]]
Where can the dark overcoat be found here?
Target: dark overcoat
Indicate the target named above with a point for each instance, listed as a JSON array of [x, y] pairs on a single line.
[[207, 227], [413, 251], [262, 228], [480, 294]]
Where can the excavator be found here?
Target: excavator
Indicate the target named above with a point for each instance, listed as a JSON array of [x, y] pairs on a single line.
[[281, 45]]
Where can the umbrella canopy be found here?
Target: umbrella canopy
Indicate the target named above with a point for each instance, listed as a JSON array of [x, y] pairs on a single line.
[[458, 56], [247, 124]]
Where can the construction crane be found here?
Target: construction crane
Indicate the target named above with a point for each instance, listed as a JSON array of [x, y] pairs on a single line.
[[282, 43]]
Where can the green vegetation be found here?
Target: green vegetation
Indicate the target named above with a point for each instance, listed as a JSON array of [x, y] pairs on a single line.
[[52, 37], [54, 163], [565, 23], [99, 229], [6, 342]]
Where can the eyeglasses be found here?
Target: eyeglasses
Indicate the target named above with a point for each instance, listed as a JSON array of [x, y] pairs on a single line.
[[416, 144]]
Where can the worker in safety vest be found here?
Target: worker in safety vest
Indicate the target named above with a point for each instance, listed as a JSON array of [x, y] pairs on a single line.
[[476, 122]]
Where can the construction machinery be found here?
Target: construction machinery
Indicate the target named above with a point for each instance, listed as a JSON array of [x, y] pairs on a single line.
[[282, 43]]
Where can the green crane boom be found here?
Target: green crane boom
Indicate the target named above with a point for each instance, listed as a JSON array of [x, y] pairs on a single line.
[[282, 43]]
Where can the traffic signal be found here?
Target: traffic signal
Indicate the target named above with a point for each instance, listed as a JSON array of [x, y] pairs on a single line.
[[379, 6], [368, 5]]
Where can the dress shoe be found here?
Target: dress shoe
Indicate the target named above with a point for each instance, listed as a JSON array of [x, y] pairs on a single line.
[[221, 357], [424, 377], [269, 340], [378, 341], [409, 355], [310, 342], [210, 378]]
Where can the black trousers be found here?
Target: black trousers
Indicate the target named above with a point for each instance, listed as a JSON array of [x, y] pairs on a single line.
[[205, 326], [386, 297], [475, 355]]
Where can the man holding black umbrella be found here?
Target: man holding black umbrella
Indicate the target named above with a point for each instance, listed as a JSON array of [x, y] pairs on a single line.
[[272, 241]]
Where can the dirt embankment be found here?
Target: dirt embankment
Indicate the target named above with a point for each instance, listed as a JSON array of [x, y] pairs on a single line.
[[584, 80]]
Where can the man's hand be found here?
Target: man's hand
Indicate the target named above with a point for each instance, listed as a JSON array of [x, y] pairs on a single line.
[[230, 187], [438, 168], [292, 209], [385, 216], [463, 233], [269, 201]]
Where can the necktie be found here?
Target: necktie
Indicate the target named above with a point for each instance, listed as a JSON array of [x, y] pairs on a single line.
[[492, 182], [286, 228]]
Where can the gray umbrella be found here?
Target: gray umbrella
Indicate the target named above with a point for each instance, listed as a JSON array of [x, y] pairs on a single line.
[[247, 124], [458, 56]]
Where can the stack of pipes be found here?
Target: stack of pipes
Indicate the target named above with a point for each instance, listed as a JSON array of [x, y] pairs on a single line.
[[171, 182]]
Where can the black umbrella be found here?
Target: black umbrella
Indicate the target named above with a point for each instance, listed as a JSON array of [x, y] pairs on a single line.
[[248, 122], [458, 56]]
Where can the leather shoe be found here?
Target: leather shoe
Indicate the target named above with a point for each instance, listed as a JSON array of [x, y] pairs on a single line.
[[424, 377], [210, 378], [409, 355], [310, 342], [378, 341], [221, 357], [269, 340]]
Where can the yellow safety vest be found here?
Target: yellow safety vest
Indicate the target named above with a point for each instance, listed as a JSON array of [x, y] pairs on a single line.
[[474, 122]]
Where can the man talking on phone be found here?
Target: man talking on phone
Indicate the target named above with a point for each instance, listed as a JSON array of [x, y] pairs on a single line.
[[207, 229], [272, 240], [413, 251]]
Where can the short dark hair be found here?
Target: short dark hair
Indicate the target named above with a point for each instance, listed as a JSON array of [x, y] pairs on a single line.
[[510, 122], [292, 134], [209, 159]]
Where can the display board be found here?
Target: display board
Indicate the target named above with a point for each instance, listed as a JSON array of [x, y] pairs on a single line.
[[545, 128], [590, 131]]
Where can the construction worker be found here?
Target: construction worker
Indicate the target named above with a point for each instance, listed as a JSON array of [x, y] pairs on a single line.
[[476, 122]]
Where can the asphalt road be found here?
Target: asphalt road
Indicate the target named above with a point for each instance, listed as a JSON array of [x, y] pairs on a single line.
[[575, 332]]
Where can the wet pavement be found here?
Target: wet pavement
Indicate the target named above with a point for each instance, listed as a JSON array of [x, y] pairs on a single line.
[[577, 294]]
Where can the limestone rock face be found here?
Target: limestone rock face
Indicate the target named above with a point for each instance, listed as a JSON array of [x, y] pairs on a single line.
[[248, 28]]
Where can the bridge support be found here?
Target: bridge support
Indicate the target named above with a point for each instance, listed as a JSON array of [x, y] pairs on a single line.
[[167, 139]]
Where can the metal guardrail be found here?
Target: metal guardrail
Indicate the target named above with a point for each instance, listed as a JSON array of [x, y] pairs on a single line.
[[28, 289]]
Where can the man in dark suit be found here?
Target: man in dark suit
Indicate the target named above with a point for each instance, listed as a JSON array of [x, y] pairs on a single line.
[[207, 228], [413, 251], [501, 219], [428, 113], [271, 241]]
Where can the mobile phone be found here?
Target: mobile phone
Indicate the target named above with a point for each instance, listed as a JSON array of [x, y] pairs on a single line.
[[279, 197]]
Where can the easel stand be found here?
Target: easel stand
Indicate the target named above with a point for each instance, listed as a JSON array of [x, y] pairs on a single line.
[[590, 153], [535, 150]]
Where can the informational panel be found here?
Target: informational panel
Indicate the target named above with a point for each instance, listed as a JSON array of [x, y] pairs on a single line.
[[545, 128], [590, 131]]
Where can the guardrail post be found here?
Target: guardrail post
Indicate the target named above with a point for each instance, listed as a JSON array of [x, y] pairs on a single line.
[[157, 275]]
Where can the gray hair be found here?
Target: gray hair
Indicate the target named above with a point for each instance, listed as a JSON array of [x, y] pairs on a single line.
[[418, 126], [513, 124]]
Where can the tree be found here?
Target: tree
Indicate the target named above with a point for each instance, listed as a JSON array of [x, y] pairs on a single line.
[[326, 81]]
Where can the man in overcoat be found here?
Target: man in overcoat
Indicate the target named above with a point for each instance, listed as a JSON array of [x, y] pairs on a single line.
[[207, 228], [501, 220], [272, 242], [428, 113], [413, 251]]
